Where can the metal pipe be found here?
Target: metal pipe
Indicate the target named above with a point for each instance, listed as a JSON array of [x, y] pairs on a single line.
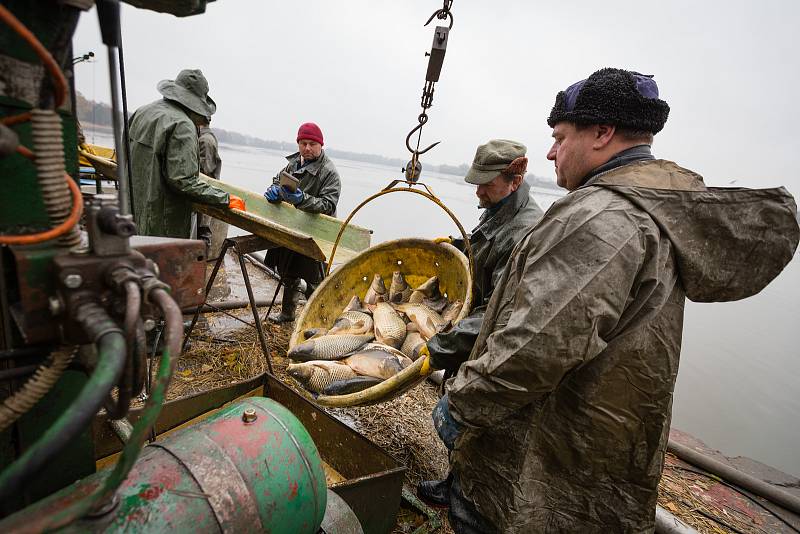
[[210, 307], [666, 523], [111, 360], [122, 159], [108, 15], [734, 476]]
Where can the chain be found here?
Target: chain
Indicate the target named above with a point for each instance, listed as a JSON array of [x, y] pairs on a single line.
[[413, 169]]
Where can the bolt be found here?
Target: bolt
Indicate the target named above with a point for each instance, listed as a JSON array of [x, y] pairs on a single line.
[[73, 281], [249, 416], [55, 306], [149, 324]]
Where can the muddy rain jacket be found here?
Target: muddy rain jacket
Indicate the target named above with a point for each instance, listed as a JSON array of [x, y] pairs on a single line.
[[492, 242], [165, 166], [566, 398]]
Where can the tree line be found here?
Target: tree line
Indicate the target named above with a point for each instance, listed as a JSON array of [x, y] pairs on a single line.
[[99, 113]]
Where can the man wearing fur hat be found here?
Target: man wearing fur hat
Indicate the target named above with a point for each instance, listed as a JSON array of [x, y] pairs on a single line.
[[317, 191], [559, 420], [165, 161]]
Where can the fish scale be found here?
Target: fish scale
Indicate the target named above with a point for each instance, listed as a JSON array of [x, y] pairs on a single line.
[[347, 323], [390, 329], [323, 377], [428, 321], [329, 347]]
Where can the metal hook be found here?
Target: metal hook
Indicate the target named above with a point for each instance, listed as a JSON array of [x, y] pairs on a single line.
[[441, 14], [408, 141]]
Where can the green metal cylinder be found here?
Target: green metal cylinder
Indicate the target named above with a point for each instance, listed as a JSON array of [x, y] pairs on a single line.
[[251, 467]]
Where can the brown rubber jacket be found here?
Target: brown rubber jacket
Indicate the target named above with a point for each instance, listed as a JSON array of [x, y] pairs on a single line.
[[567, 396]]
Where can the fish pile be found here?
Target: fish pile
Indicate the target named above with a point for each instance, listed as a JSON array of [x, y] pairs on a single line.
[[374, 338]]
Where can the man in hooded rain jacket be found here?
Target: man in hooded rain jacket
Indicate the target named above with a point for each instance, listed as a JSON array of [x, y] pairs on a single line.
[[317, 191], [165, 163], [559, 421], [498, 172]]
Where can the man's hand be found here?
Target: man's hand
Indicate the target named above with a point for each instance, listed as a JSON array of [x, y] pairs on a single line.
[[448, 240], [236, 202], [273, 194], [292, 197], [447, 427]]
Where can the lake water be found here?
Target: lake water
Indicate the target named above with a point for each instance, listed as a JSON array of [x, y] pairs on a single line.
[[738, 388]]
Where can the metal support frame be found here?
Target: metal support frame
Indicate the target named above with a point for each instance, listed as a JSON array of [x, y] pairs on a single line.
[[240, 245]]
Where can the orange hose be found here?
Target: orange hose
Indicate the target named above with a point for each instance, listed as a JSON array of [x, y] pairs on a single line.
[[59, 81], [58, 231], [16, 119], [25, 151]]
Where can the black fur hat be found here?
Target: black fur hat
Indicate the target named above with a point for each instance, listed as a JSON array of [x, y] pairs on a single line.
[[612, 96]]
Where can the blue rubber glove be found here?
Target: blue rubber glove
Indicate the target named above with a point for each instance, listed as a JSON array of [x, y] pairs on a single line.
[[273, 194], [447, 427], [291, 198]]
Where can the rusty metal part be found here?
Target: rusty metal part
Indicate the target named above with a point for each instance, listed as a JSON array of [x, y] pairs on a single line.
[[374, 480], [181, 265], [249, 416], [218, 477], [108, 229]]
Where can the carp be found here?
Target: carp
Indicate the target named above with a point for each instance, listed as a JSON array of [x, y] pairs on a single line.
[[376, 292], [412, 344], [351, 385], [317, 375], [311, 333], [390, 329], [352, 322], [399, 290], [450, 313], [377, 360], [328, 347], [428, 321], [355, 305], [429, 289]]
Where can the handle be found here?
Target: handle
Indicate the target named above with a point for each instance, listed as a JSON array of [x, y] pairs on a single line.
[[392, 189]]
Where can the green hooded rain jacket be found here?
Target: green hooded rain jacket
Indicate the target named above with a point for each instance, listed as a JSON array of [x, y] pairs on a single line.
[[165, 166]]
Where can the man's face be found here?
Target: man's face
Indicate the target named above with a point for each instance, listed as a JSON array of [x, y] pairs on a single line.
[[309, 149], [496, 190], [572, 152]]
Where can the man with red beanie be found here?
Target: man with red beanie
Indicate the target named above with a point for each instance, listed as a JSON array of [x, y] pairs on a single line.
[[317, 191]]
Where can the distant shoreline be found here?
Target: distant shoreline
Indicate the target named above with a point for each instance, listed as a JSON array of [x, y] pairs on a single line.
[[458, 172]]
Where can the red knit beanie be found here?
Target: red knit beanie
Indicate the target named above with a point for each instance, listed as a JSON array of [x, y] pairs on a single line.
[[310, 131]]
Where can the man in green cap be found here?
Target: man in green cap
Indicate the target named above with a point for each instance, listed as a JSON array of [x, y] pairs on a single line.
[[498, 172], [164, 158], [559, 420]]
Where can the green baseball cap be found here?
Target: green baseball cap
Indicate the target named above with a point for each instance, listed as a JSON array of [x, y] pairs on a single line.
[[493, 158]]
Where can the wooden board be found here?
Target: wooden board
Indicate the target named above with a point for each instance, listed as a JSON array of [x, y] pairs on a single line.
[[309, 234]]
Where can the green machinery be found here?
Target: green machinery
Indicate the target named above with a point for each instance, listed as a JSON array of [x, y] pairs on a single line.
[[75, 315]]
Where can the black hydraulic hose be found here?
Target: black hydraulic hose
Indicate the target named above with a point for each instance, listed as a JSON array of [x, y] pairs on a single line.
[[111, 351], [133, 306], [733, 475]]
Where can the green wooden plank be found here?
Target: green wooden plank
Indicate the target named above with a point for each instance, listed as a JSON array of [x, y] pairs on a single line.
[[310, 234], [320, 227]]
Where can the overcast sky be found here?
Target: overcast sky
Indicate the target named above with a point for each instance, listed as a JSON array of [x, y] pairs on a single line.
[[728, 69]]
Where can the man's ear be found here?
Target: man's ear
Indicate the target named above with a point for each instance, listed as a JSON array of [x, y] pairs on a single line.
[[603, 135]]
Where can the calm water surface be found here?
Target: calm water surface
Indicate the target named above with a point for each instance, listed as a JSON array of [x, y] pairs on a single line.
[[738, 387]]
